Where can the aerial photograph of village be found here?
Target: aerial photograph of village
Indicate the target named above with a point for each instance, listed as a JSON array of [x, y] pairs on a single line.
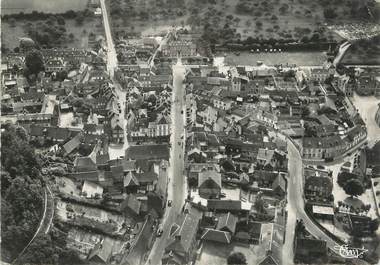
[[190, 132]]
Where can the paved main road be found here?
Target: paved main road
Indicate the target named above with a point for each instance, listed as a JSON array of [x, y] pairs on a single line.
[[115, 151], [111, 52], [296, 204], [295, 196], [341, 52], [177, 181]]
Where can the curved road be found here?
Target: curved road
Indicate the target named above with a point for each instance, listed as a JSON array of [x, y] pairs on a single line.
[[296, 207], [46, 219], [295, 195], [342, 50]]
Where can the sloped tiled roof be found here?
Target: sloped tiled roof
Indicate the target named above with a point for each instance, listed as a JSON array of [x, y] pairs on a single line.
[[130, 180], [217, 236], [227, 222], [209, 175], [102, 251], [223, 205], [279, 182], [83, 164], [129, 165], [131, 204], [182, 239], [72, 144], [152, 151], [102, 159]]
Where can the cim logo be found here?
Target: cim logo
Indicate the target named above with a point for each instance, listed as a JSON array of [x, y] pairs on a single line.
[[348, 252]]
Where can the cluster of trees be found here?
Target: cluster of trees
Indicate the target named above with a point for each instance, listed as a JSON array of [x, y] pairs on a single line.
[[21, 193], [350, 183], [22, 205], [50, 249], [127, 10], [48, 30], [48, 33], [357, 9], [236, 258], [35, 15], [34, 63]]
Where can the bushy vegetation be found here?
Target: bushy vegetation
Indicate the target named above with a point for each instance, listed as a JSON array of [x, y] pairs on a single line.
[[247, 22], [48, 30], [22, 205], [236, 258], [21, 192]]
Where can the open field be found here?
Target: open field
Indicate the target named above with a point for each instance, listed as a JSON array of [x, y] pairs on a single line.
[[28, 6], [298, 58], [10, 35], [363, 52], [223, 20]]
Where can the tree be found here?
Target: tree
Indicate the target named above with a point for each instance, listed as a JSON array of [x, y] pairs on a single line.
[[236, 258], [374, 225], [260, 205], [79, 20], [305, 112], [18, 157], [344, 177], [353, 187], [34, 62], [61, 20], [12, 22], [329, 13], [315, 37], [193, 182], [106, 198], [62, 75], [227, 165], [41, 251]]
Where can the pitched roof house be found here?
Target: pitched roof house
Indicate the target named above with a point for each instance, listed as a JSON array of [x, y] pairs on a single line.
[[209, 184], [216, 236], [227, 222], [102, 251], [182, 242]]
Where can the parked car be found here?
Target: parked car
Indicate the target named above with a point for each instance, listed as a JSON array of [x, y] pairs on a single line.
[[159, 230], [169, 203]]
